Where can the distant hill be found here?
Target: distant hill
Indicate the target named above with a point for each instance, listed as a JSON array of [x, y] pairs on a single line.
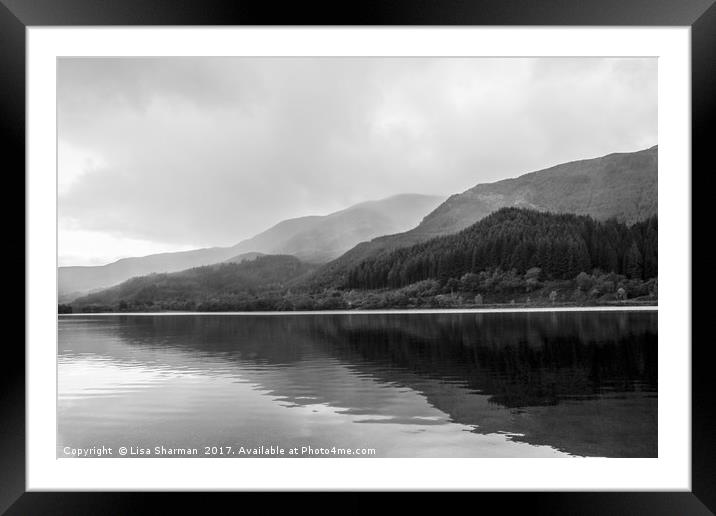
[[75, 281], [621, 186], [513, 253], [190, 288], [243, 257], [319, 239], [315, 239]]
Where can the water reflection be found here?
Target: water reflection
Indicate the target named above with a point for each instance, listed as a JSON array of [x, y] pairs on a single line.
[[497, 384]]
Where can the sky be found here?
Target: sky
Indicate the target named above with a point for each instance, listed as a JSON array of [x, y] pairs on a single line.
[[165, 154]]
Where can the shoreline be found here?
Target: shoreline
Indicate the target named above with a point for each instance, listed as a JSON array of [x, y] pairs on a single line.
[[541, 309]]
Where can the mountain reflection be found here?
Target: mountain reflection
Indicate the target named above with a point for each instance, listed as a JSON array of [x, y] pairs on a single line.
[[584, 383]]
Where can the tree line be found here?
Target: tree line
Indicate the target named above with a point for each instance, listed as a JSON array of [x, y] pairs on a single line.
[[185, 290], [516, 239], [514, 256]]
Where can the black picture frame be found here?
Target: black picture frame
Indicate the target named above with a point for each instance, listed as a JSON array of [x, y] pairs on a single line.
[[16, 15]]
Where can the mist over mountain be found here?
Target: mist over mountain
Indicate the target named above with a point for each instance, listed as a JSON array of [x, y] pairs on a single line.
[[622, 186], [575, 218], [313, 239], [513, 253], [319, 239]]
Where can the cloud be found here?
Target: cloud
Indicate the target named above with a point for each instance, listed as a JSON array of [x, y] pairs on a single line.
[[208, 151]]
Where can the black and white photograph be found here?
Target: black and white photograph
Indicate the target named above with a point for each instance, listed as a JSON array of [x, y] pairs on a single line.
[[389, 257]]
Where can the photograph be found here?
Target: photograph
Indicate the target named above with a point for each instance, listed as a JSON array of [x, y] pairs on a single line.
[[369, 257]]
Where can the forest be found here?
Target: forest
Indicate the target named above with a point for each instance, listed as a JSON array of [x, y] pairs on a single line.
[[512, 239], [513, 256], [196, 288]]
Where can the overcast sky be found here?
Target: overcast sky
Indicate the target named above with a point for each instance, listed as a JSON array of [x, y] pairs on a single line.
[[177, 153]]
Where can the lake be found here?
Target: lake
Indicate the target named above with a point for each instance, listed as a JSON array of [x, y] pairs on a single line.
[[515, 384]]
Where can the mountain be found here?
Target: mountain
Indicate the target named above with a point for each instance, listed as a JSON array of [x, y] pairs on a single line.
[[315, 239], [621, 186], [513, 253], [188, 289], [319, 239], [75, 281], [243, 257]]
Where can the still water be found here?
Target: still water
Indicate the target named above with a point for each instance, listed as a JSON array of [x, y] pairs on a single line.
[[551, 384]]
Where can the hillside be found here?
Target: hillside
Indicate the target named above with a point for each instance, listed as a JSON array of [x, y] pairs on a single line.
[[315, 239], [189, 289], [621, 186], [243, 257], [319, 239], [559, 245], [75, 281], [512, 255]]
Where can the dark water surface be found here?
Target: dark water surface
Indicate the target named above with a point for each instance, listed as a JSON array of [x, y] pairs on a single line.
[[407, 385]]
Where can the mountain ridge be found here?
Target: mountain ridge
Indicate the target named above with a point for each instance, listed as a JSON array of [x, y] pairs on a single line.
[[189, 288], [620, 185], [312, 238], [514, 253]]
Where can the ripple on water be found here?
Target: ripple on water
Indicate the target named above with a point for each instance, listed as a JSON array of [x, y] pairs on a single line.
[[443, 385]]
